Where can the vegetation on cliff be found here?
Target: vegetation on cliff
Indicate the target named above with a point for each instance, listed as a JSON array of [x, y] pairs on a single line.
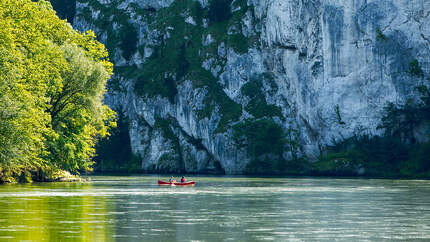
[[397, 152], [52, 82], [159, 49]]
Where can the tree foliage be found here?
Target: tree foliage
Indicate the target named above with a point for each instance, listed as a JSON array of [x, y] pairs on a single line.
[[264, 141], [52, 82]]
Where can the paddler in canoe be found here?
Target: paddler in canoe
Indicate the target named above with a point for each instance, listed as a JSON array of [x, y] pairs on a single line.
[[172, 182]]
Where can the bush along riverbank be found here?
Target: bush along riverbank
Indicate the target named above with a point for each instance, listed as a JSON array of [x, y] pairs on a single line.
[[52, 83]]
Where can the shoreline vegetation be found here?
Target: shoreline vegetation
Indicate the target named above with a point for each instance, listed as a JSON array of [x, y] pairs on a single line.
[[42, 175], [52, 83], [312, 174]]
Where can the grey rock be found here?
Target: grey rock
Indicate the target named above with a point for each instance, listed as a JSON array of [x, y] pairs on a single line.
[[322, 55]]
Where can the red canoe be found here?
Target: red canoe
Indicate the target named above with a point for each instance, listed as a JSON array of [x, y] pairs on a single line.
[[189, 183]]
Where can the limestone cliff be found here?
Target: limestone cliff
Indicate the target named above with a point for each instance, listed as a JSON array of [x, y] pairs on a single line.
[[219, 86]]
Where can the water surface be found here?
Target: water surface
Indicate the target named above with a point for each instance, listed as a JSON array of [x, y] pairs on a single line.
[[217, 209]]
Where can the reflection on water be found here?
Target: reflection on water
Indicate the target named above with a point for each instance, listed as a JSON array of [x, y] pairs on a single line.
[[41, 212], [216, 209]]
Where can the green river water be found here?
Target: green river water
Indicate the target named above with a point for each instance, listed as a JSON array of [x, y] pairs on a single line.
[[112, 208]]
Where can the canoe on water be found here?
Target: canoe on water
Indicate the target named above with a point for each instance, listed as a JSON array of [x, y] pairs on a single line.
[[188, 183]]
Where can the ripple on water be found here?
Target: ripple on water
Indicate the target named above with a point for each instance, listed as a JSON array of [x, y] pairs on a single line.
[[217, 191], [221, 209]]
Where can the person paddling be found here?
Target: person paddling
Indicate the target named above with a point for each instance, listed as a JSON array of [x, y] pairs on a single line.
[[183, 179], [171, 180]]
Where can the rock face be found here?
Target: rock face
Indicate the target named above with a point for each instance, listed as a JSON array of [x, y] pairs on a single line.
[[192, 79]]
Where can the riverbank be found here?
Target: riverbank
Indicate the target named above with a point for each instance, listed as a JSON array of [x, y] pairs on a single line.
[[323, 174], [28, 175], [320, 169]]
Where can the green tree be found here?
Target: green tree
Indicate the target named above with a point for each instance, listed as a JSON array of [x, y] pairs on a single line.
[[77, 112], [265, 142], [52, 82]]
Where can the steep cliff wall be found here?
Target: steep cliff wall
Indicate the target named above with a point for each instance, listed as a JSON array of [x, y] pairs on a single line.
[[234, 86]]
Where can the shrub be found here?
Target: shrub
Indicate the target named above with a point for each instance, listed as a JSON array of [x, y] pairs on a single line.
[[380, 35], [415, 69], [257, 105]]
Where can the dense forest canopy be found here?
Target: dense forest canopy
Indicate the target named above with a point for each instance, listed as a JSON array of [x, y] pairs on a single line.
[[52, 82]]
